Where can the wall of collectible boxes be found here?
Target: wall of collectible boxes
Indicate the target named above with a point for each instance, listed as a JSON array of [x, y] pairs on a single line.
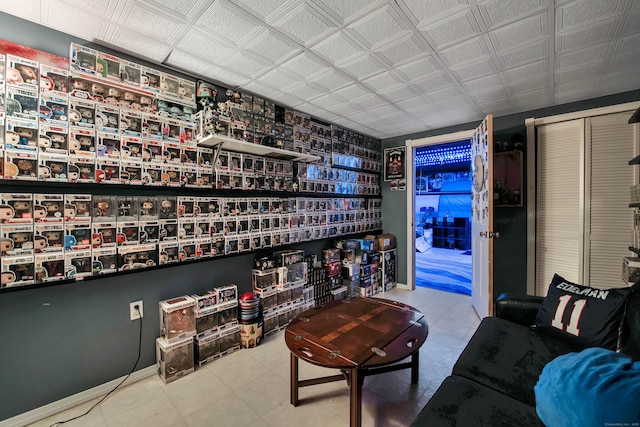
[[107, 120], [49, 237]]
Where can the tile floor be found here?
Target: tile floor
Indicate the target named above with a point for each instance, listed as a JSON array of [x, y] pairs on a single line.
[[251, 387]]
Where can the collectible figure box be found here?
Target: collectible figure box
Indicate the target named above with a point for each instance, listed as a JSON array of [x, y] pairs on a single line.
[[107, 171], [104, 209], [284, 297], [77, 236], [49, 237], [168, 252], [128, 233], [177, 318], [264, 281], [207, 348], [187, 249], [49, 267], [270, 325], [16, 240], [21, 164], [52, 167], [227, 294], [104, 235], [149, 231], [229, 340], [152, 174], [174, 359], [137, 256], [168, 207], [331, 255], [131, 171], [269, 302], [16, 208], [206, 320], [77, 264], [292, 275], [127, 208], [231, 245], [105, 260], [53, 109], [168, 229], [17, 271], [77, 208], [148, 209]]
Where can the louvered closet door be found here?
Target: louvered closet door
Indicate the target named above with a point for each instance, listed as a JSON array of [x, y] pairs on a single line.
[[559, 216], [608, 218]]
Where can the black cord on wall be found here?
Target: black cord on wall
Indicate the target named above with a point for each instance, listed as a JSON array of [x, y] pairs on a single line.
[[116, 387]]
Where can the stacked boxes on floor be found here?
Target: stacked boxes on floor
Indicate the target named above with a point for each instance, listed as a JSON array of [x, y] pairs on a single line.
[[209, 321], [309, 289], [333, 274], [218, 333], [320, 286], [174, 348], [370, 283], [265, 285], [292, 277]]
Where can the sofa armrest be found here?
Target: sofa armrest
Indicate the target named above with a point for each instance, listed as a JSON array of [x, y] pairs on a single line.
[[518, 308]]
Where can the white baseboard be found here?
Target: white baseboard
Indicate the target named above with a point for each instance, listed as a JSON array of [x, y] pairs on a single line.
[[77, 399], [403, 286]]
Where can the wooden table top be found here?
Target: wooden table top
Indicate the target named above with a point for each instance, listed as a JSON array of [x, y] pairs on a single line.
[[357, 332]]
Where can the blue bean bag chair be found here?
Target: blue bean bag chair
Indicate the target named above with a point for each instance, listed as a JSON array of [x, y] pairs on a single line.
[[595, 387]]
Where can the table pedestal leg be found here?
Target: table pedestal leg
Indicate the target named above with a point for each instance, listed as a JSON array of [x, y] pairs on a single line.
[[294, 380], [415, 364], [355, 389]]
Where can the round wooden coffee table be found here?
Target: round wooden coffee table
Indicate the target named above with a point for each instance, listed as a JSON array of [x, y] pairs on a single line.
[[359, 336]]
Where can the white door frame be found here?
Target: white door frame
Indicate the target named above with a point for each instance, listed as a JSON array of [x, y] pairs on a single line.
[[411, 232]]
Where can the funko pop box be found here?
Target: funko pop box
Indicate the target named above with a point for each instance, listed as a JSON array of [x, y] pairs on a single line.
[[174, 359], [177, 318]]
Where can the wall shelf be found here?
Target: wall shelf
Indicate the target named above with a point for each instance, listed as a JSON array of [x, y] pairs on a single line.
[[227, 143], [182, 263]]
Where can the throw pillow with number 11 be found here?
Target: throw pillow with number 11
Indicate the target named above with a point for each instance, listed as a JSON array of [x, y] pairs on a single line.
[[588, 316]]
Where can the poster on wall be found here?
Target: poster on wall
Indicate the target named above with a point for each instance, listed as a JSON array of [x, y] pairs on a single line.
[[394, 163]]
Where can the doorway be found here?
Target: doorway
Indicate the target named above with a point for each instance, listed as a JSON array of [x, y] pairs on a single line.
[[442, 216]]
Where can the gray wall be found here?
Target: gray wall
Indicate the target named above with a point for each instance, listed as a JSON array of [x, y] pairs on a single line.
[[510, 250]]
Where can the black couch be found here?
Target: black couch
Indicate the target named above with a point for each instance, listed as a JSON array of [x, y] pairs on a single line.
[[492, 381]]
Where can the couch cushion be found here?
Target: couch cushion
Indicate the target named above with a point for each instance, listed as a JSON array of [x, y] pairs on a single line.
[[509, 357], [460, 402], [591, 380], [589, 316]]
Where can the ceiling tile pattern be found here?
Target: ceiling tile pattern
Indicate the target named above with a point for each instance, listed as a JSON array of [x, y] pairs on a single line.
[[380, 67]]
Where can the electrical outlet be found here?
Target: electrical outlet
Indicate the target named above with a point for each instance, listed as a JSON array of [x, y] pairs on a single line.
[[136, 314]]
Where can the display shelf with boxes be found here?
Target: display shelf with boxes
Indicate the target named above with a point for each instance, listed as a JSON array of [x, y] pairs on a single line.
[[110, 120]]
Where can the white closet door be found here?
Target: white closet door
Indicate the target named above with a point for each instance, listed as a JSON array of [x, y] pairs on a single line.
[[560, 202], [608, 218]]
